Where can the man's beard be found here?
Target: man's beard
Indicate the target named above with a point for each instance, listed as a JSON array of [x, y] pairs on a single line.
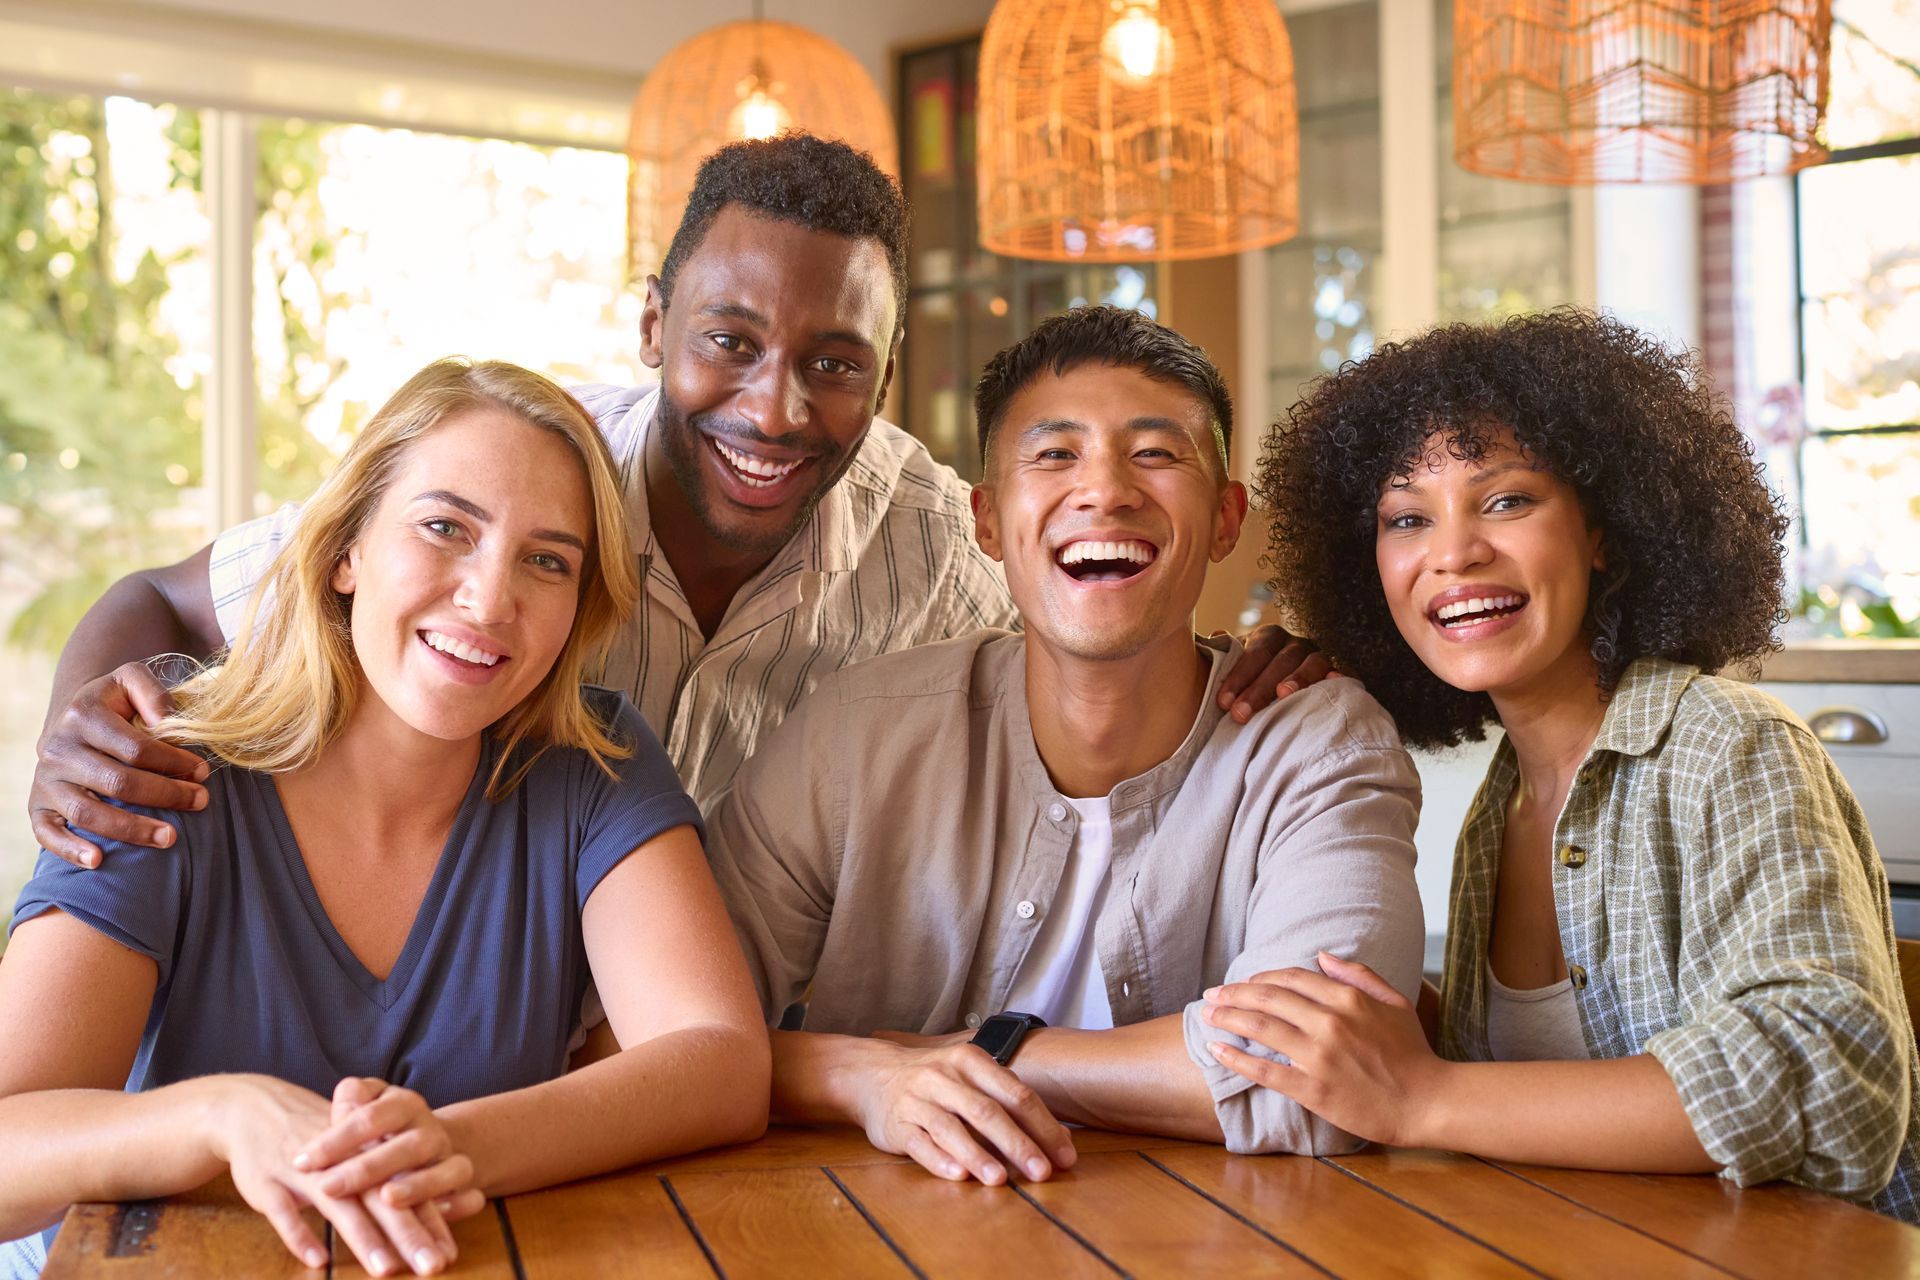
[[684, 439]]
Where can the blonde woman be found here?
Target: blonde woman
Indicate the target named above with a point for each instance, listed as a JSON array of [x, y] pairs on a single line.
[[424, 837]]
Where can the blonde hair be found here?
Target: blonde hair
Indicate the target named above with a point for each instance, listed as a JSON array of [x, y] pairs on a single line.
[[288, 684]]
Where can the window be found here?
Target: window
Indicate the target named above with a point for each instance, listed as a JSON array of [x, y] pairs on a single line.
[[1858, 457], [373, 251], [965, 304], [1321, 283]]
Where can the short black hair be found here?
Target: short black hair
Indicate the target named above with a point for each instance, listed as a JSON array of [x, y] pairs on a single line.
[[817, 183], [1102, 335], [1691, 533]]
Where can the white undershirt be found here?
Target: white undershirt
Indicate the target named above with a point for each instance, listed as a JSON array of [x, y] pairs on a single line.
[[1060, 978]]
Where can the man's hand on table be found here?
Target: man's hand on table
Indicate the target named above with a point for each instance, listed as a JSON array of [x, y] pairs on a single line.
[[100, 746], [944, 1103], [1272, 665], [264, 1129]]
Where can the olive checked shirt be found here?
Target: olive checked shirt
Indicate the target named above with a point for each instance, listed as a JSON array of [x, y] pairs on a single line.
[[1722, 908]]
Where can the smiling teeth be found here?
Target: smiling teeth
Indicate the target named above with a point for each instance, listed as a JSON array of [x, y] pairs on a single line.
[[1478, 604], [758, 472], [1134, 552], [464, 652]]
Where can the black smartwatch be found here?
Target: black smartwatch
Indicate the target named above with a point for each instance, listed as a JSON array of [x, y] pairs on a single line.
[[1001, 1034]]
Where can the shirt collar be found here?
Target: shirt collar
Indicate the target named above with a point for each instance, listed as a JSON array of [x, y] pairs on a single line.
[[1167, 776], [1643, 705]]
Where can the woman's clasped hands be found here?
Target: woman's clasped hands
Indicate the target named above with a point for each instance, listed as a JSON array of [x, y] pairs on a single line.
[[375, 1162]]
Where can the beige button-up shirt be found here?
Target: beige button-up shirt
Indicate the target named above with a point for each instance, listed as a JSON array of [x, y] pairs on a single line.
[[897, 843], [1721, 907], [887, 560]]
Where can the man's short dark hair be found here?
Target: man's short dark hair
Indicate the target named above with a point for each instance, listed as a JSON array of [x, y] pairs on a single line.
[[816, 183], [1102, 335]]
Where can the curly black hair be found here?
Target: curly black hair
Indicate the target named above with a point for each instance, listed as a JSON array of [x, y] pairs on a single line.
[[818, 183], [1081, 335], [1691, 533]]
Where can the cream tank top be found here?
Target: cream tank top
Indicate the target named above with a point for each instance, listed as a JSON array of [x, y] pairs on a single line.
[[1537, 1025]]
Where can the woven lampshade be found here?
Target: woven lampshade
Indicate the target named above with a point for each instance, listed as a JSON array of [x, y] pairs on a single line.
[[749, 79], [1579, 91], [1136, 130]]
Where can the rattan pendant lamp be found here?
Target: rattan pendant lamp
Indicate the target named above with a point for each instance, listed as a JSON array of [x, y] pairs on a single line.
[[1136, 130], [751, 79], [1583, 91]]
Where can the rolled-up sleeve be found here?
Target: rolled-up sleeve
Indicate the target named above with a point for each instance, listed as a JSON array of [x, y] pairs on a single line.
[[1335, 874], [1794, 1060]]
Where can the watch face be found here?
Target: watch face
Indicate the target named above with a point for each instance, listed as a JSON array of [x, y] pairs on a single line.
[[999, 1035]]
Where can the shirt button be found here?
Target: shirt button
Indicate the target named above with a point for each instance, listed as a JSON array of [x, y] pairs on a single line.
[[1572, 855], [1024, 910], [1578, 976], [1057, 811], [973, 1020]]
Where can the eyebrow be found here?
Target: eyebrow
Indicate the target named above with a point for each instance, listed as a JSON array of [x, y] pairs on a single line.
[[1147, 424], [1483, 477], [480, 513], [740, 311]]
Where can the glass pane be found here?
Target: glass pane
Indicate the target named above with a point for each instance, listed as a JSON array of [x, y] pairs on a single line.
[[516, 254], [105, 290], [1863, 533], [1495, 267], [1320, 283], [1860, 264], [1876, 87]]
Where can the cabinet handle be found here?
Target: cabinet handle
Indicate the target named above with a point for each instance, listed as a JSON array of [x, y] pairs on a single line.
[[1848, 726]]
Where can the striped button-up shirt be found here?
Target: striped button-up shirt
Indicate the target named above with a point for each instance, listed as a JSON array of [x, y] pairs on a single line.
[[1722, 908], [887, 560]]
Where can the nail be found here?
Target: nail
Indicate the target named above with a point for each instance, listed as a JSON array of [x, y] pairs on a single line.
[[89, 860], [1036, 1169], [316, 1258], [303, 1161], [1216, 1048], [382, 1261], [200, 800], [1064, 1156], [1211, 993], [202, 771], [1243, 709], [425, 1260]]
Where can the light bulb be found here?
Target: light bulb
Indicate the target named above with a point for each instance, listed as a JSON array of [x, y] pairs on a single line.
[[758, 114], [1137, 45]]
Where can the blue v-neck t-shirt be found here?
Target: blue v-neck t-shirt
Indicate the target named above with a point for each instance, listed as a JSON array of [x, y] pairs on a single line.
[[254, 977]]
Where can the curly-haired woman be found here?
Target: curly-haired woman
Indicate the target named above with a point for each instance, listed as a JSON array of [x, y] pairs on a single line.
[[1669, 943]]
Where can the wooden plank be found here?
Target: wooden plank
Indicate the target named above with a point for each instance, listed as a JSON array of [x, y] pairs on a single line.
[[770, 1222], [1337, 1221], [838, 1146], [1774, 1229], [620, 1225], [1146, 1223], [208, 1231], [963, 1228], [1527, 1223], [784, 1147], [480, 1239]]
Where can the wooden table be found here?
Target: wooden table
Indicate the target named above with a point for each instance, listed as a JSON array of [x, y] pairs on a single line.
[[823, 1202]]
